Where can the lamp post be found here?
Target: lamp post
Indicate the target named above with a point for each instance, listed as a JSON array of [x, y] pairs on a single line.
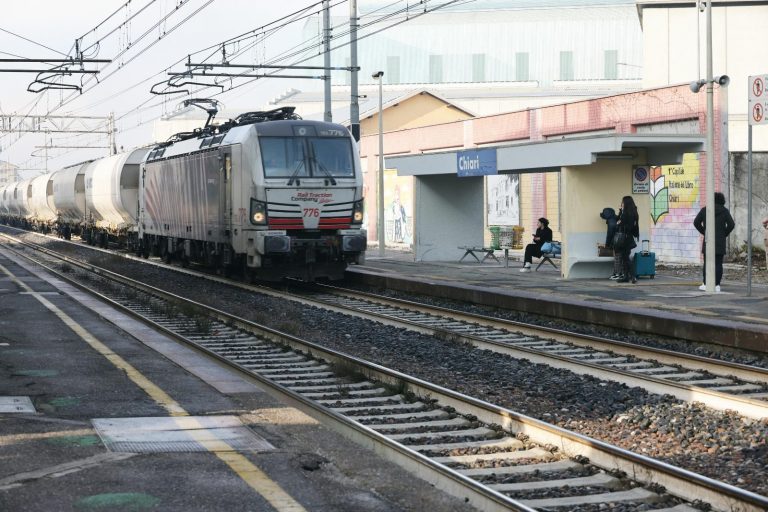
[[380, 188], [709, 221]]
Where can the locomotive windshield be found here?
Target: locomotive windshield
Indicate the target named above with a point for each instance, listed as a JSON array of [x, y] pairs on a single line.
[[294, 157]]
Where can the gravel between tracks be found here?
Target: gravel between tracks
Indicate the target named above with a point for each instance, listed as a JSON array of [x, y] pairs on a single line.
[[720, 445]]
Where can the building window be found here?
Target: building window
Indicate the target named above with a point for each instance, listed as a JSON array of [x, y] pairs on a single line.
[[435, 69], [478, 67], [521, 67], [392, 75], [611, 64], [566, 65]]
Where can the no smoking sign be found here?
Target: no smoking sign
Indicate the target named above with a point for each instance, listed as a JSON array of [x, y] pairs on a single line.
[[757, 99]]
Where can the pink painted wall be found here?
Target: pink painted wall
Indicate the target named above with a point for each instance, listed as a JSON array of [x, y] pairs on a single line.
[[623, 113]]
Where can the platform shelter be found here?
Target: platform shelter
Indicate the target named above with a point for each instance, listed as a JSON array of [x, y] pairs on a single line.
[[601, 148]]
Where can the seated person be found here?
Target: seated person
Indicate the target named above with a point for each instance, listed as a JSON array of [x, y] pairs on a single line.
[[543, 234]]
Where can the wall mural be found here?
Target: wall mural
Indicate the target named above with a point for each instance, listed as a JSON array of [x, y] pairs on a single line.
[[674, 204], [398, 209]]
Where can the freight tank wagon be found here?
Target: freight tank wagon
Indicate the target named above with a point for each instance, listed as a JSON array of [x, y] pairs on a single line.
[[268, 193], [41, 215], [69, 199], [111, 198]]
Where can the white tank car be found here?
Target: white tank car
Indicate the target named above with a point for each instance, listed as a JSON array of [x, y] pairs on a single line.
[[112, 192], [268, 193], [69, 194], [5, 199], [18, 203], [40, 212]]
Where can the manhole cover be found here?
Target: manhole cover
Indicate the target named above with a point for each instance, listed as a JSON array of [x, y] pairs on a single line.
[[178, 434]]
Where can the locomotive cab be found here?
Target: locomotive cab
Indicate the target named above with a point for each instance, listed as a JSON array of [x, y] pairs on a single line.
[[267, 193], [308, 208]]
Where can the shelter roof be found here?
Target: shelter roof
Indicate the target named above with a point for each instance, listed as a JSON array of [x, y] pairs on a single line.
[[551, 155]]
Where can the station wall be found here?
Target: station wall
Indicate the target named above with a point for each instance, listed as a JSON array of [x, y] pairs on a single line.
[[460, 221]]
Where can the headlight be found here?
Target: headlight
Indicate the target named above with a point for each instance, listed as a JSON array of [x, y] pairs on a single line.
[[357, 212], [258, 212]]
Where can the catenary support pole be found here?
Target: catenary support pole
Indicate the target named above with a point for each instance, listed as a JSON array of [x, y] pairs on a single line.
[[749, 210], [709, 238], [327, 116], [112, 145], [354, 106], [382, 240]]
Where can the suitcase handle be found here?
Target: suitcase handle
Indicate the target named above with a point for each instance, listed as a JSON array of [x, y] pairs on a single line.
[[645, 246]]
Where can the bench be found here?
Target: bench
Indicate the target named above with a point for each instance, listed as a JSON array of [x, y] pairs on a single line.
[[471, 251], [547, 257]]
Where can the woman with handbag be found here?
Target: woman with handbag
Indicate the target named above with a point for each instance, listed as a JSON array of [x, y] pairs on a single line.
[[627, 229]]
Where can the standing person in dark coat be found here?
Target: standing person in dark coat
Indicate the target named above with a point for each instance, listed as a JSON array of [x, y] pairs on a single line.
[[627, 224], [723, 226], [543, 234], [610, 218]]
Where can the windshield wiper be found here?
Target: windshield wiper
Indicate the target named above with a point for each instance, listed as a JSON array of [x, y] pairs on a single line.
[[295, 172], [324, 169]]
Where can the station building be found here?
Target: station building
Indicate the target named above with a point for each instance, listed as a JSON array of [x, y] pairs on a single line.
[[502, 56], [653, 44], [608, 69]]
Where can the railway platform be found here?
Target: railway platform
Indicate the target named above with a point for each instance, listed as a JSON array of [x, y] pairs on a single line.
[[99, 412], [670, 304]]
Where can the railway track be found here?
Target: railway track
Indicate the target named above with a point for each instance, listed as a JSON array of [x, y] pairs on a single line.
[[498, 459], [718, 384]]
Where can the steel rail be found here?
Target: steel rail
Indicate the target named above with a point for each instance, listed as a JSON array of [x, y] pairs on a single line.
[[755, 409], [751, 408], [436, 474], [677, 481]]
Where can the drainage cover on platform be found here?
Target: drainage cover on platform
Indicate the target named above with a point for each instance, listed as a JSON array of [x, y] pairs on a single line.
[[16, 404], [178, 434]]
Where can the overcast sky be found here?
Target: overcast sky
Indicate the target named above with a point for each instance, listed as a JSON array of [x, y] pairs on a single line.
[[56, 24]]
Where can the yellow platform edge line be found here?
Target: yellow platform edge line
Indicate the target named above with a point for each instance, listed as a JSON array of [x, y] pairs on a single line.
[[244, 468]]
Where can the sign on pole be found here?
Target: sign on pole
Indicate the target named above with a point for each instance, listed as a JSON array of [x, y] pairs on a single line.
[[641, 183], [758, 100], [756, 113]]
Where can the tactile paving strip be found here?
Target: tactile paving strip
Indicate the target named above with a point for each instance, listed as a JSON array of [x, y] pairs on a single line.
[[178, 434]]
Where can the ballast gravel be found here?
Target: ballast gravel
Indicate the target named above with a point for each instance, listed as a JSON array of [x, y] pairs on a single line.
[[723, 446]]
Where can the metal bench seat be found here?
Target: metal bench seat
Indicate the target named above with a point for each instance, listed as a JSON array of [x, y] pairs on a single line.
[[487, 253]]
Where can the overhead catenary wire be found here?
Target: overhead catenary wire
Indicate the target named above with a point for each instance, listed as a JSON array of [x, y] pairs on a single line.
[[101, 80], [73, 96], [405, 10], [401, 11], [246, 41], [31, 41]]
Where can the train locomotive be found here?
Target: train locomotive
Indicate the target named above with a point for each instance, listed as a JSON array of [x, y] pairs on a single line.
[[267, 194]]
